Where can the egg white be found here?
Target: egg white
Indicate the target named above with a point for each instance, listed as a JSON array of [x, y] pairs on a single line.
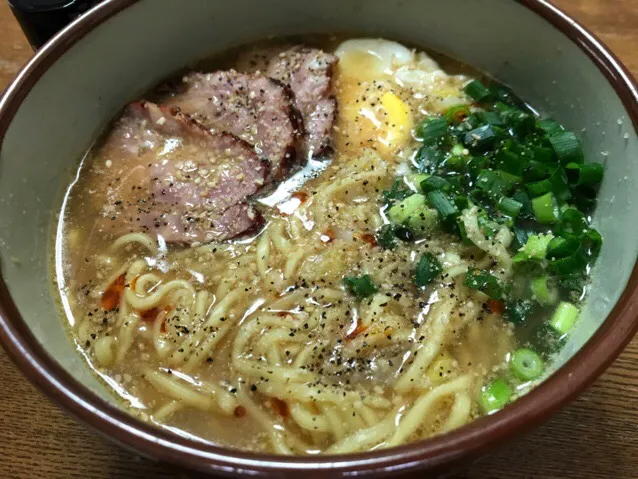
[[383, 90]]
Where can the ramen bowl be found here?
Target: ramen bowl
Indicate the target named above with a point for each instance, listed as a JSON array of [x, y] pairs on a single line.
[[58, 104]]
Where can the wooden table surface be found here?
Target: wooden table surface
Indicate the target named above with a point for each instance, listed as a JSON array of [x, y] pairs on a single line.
[[594, 437]]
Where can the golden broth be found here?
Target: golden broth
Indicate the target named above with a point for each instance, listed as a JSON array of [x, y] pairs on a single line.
[[255, 343]]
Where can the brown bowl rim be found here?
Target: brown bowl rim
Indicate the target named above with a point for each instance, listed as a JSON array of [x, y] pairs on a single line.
[[459, 446]]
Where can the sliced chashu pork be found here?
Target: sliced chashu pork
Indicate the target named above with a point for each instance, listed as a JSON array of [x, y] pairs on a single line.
[[169, 176], [308, 72], [254, 107]]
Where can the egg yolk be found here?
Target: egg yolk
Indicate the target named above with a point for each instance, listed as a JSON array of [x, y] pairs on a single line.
[[371, 115]]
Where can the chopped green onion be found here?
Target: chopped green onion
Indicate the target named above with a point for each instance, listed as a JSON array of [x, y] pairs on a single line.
[[585, 197], [572, 253], [520, 122], [558, 181], [520, 149], [562, 247], [461, 202], [431, 130], [478, 197], [495, 396], [455, 181], [590, 174], [484, 282], [457, 149], [592, 243], [564, 317], [542, 154], [509, 207], [399, 213], [572, 222], [396, 193], [573, 284], [469, 123], [423, 221], [506, 95], [455, 162], [442, 204], [510, 162], [567, 147], [545, 209], [521, 236], [570, 264], [427, 159], [517, 312], [385, 237], [434, 183], [539, 188], [542, 292], [481, 138], [546, 340], [572, 171], [488, 227], [361, 286], [413, 180], [477, 91], [534, 249], [508, 177], [496, 183], [549, 126], [488, 118], [536, 171], [457, 114], [463, 233], [526, 365], [427, 270], [523, 198], [476, 165]]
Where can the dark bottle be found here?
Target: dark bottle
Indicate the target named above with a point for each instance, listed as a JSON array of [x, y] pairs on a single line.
[[41, 19]]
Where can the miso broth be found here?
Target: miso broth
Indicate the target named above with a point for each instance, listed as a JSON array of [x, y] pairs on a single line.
[[325, 248]]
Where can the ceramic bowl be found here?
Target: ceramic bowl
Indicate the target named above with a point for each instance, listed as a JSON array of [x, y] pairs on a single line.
[[65, 95]]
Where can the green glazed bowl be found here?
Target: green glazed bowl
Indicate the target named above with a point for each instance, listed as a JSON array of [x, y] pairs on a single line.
[[56, 107]]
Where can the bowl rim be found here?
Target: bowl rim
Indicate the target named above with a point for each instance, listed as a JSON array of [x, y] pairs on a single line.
[[461, 445]]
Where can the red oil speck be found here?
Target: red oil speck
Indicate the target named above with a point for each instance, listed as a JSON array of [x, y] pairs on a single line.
[[300, 195], [111, 297], [328, 236], [367, 238], [280, 407], [156, 314], [360, 328], [150, 315], [495, 306]]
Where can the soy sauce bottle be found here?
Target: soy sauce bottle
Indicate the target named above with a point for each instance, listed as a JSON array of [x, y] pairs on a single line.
[[41, 19]]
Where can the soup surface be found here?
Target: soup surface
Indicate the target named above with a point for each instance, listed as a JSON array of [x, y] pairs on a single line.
[[325, 246]]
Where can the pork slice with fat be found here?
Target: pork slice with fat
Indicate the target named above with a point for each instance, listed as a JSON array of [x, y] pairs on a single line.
[[254, 107], [169, 176], [308, 72]]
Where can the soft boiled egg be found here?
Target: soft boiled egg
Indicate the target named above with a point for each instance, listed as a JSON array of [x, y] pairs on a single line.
[[382, 88], [372, 58], [372, 113]]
